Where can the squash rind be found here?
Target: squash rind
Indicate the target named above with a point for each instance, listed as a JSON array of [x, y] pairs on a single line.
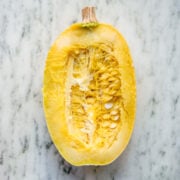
[[54, 94]]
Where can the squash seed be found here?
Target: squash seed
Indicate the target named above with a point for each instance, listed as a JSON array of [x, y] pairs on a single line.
[[113, 125], [115, 118], [114, 112], [108, 105]]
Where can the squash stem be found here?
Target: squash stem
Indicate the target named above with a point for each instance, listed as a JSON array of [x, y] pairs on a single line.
[[89, 15]]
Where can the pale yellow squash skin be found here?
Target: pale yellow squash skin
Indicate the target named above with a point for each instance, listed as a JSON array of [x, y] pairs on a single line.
[[54, 95]]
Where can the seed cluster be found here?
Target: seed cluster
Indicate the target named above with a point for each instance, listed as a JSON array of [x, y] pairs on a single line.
[[95, 95]]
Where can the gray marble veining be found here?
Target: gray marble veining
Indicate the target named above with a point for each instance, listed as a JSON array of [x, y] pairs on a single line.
[[152, 30]]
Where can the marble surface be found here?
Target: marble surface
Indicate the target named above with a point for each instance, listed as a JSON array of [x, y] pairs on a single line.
[[152, 30]]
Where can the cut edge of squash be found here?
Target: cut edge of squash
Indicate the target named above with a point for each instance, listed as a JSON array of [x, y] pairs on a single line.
[[128, 132]]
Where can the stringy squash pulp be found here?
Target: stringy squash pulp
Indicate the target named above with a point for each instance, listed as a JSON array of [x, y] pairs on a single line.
[[89, 94]]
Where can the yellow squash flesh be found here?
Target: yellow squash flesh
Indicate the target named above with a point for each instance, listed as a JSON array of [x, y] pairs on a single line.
[[89, 94]]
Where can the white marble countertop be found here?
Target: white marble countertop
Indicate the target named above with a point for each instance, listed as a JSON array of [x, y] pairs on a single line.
[[27, 30]]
